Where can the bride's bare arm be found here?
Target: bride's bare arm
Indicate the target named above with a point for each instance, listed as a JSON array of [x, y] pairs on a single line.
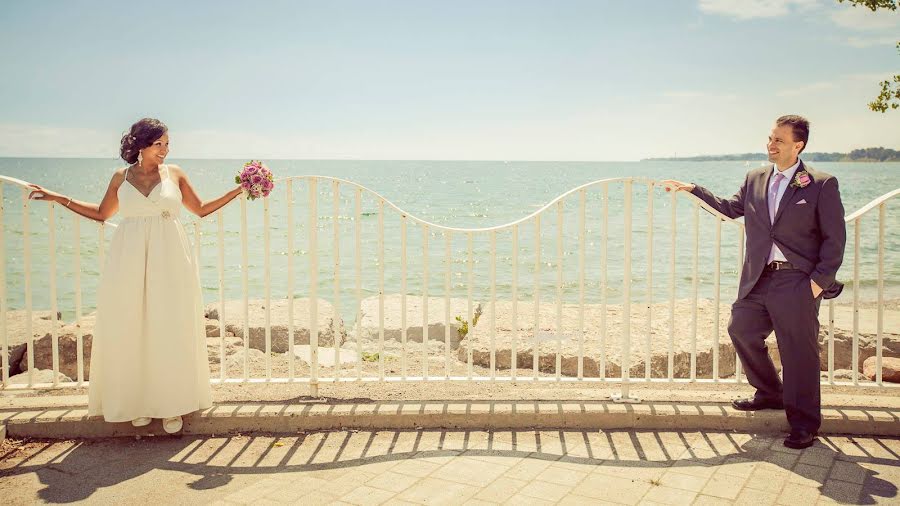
[[100, 212], [192, 201]]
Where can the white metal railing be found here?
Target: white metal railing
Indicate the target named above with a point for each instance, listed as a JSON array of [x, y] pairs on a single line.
[[317, 186]]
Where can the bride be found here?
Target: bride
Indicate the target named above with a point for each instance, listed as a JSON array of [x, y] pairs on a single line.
[[148, 357]]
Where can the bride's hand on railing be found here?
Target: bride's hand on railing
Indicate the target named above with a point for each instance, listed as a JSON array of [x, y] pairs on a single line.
[[40, 193], [672, 184]]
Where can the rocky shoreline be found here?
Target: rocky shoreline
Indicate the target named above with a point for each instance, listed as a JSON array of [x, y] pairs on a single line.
[[448, 349]]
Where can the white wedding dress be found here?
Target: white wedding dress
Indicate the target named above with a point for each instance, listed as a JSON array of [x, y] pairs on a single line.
[[148, 356]]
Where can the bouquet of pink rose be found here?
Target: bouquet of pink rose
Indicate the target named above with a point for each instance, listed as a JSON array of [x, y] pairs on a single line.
[[255, 179]]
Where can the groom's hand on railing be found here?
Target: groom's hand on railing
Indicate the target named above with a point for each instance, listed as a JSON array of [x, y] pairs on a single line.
[[671, 184]]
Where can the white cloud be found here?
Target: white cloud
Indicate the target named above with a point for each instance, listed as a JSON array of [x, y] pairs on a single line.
[[699, 95], [807, 89], [863, 19], [750, 9], [39, 140], [885, 40]]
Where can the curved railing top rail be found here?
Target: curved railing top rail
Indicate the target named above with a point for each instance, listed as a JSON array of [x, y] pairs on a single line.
[[651, 182], [872, 205], [13, 180], [26, 185], [642, 180]]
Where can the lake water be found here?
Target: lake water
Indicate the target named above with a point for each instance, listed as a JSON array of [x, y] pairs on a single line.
[[465, 194]]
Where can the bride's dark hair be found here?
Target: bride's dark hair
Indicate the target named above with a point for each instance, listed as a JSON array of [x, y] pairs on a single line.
[[142, 134]]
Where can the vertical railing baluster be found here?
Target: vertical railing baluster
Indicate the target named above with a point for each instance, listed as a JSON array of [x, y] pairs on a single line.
[[267, 279], [514, 351], [314, 286], [292, 366], [79, 333], [220, 232], [559, 288], [357, 256], [381, 289], [740, 267], [604, 278], [336, 319], [716, 293], [4, 337], [535, 352], [425, 302], [581, 247], [695, 284], [26, 268], [447, 272], [54, 326], [879, 344], [493, 304], [245, 287], [648, 352], [831, 341], [670, 364], [403, 333], [470, 318], [855, 354]]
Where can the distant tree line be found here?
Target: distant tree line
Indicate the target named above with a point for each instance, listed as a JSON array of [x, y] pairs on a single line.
[[857, 155]]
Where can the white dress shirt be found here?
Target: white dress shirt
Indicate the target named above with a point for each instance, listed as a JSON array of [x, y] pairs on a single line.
[[788, 179]]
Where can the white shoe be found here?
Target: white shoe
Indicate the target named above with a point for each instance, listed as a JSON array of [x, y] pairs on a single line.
[[172, 425], [141, 421]]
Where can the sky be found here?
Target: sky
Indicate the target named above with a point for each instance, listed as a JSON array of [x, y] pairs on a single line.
[[438, 80]]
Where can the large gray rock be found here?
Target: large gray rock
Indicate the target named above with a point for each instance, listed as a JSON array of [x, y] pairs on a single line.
[[868, 335], [331, 326], [890, 369], [569, 336], [68, 349], [17, 337], [437, 318]]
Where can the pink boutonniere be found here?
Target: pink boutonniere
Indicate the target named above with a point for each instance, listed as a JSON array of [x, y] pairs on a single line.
[[801, 179]]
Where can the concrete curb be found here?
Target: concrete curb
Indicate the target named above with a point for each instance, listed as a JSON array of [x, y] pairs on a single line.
[[63, 423]]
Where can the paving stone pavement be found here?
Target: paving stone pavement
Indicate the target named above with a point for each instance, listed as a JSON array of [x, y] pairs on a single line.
[[454, 467]]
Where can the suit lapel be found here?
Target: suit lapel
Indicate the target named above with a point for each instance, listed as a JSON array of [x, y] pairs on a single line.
[[762, 194]]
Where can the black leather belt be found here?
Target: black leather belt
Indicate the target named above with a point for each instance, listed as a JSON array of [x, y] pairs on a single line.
[[779, 266]]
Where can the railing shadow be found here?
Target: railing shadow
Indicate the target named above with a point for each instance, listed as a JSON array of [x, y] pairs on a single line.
[[841, 468]]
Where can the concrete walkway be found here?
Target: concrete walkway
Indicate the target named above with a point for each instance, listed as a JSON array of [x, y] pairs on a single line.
[[454, 467]]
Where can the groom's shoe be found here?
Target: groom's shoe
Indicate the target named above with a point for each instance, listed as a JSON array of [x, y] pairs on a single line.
[[753, 404], [800, 439]]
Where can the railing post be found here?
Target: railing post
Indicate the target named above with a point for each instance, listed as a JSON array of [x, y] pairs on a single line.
[[3, 309], [313, 287], [625, 360]]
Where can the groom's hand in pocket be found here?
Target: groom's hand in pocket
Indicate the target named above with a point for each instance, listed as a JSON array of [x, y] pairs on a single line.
[[816, 290]]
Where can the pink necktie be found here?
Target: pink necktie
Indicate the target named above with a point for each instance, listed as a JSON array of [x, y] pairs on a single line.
[[773, 206]]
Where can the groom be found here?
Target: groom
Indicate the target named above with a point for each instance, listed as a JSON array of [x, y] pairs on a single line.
[[795, 229]]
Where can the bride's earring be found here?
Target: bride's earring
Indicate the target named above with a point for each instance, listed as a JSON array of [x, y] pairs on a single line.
[[140, 159]]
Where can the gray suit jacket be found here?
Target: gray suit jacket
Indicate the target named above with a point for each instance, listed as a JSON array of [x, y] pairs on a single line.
[[811, 235]]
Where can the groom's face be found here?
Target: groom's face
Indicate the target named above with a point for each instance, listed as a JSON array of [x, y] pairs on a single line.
[[782, 148]]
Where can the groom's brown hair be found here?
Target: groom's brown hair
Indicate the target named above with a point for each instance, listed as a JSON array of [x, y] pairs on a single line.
[[799, 126]]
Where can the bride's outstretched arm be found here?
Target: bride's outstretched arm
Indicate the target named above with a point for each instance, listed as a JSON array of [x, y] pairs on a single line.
[[192, 201], [100, 212]]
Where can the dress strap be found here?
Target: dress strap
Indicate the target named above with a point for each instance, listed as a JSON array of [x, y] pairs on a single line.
[[167, 170]]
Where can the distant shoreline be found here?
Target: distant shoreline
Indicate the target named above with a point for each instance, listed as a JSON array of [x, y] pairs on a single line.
[[867, 155]]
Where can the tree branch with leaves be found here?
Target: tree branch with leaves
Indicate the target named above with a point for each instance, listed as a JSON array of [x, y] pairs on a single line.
[[889, 98]]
